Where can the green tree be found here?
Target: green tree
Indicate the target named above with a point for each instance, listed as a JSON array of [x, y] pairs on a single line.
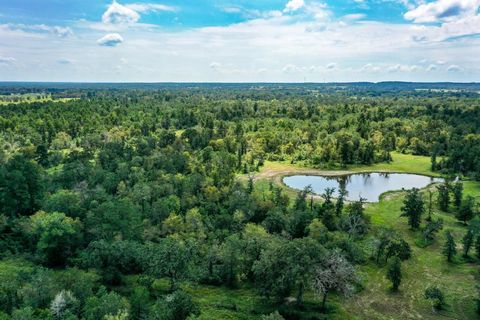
[[57, 236], [138, 301], [435, 295], [477, 246], [21, 186], [443, 196], [65, 201], [449, 248], [413, 208], [457, 190], [394, 273], [176, 306], [116, 219], [287, 266], [170, 258], [466, 211], [104, 304], [431, 229], [342, 194], [467, 242]]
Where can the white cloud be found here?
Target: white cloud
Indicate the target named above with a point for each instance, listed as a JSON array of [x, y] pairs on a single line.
[[432, 67], [319, 11], [119, 14], [7, 60], [130, 14], [65, 61], [284, 48], [290, 68], [403, 68], [110, 40], [448, 30], [353, 17], [215, 65], [294, 5], [56, 30], [331, 66], [454, 68], [370, 68], [443, 10], [150, 7]]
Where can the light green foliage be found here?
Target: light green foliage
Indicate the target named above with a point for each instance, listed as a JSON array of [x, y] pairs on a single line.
[[105, 304], [57, 236]]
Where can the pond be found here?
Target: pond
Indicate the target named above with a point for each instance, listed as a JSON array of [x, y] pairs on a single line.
[[366, 185]]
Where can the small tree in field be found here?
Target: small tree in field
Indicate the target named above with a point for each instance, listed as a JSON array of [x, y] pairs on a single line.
[[466, 212], [457, 190], [435, 295], [450, 248], [334, 274], [467, 242], [413, 208], [443, 196], [394, 273], [477, 246]]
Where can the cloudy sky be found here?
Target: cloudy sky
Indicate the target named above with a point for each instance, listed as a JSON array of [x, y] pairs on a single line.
[[239, 40]]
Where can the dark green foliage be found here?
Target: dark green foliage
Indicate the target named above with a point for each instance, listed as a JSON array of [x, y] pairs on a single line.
[[467, 242], [431, 229], [389, 244], [65, 201], [477, 246], [287, 266], [128, 189], [116, 219], [413, 208], [443, 196], [449, 248], [457, 190], [176, 306], [21, 186], [435, 295], [394, 273], [104, 303], [114, 259], [56, 235], [169, 258], [466, 212]]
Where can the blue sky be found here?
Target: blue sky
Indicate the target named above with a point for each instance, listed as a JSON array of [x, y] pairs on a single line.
[[239, 41]]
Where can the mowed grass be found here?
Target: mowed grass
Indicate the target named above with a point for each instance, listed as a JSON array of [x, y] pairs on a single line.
[[401, 163]]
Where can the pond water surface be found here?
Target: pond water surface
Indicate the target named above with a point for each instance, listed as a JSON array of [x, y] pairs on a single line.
[[366, 185]]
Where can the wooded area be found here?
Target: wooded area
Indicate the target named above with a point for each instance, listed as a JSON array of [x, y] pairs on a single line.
[[140, 203]]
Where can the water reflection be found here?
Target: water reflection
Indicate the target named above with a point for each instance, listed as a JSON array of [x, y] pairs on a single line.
[[367, 185]]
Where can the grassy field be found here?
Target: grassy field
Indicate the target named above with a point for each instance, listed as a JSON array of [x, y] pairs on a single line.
[[426, 267], [30, 98]]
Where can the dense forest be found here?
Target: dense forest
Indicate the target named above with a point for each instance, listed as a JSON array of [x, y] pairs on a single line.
[[138, 203]]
